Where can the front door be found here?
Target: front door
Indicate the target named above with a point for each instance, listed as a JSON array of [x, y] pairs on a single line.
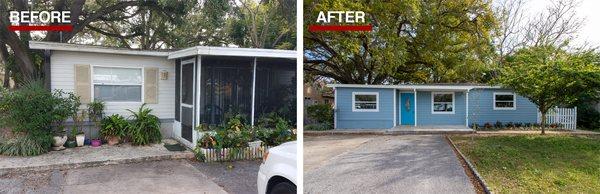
[[407, 109], [187, 100]]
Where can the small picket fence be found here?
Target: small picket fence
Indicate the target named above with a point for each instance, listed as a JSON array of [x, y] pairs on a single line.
[[566, 117], [231, 154]]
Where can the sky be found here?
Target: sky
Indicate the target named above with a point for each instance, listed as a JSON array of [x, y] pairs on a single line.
[[588, 9]]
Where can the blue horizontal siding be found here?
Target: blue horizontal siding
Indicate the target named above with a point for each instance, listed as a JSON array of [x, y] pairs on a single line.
[[425, 117], [481, 108], [346, 119]]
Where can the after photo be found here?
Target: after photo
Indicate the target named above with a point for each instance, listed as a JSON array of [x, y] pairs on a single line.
[[498, 96]]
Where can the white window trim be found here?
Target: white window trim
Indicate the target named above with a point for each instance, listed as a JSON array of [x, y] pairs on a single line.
[[453, 102], [504, 108], [92, 83], [365, 93]]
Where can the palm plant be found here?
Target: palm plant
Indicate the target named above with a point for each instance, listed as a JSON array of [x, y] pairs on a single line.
[[145, 127]]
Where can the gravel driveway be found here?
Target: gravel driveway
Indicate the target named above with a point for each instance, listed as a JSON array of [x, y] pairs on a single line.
[[385, 164]]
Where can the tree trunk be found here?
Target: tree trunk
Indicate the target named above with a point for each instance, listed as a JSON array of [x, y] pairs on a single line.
[[543, 123]]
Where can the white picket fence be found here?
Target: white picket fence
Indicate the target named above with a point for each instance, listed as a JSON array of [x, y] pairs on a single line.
[[566, 117], [231, 154]]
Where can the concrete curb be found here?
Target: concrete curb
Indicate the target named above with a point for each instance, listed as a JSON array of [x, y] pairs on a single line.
[[383, 132], [486, 189], [178, 156]]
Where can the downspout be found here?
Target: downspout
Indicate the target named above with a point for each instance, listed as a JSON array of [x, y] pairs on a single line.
[[415, 91], [335, 109], [395, 107], [47, 63], [467, 111]]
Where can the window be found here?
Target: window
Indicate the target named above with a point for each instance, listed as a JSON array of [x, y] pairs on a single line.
[[504, 101], [365, 102], [442, 103], [117, 84]]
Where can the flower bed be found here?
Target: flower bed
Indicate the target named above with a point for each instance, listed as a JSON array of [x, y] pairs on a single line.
[[236, 140], [231, 154]]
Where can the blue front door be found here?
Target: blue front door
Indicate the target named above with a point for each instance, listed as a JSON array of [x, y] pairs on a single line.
[[407, 109]]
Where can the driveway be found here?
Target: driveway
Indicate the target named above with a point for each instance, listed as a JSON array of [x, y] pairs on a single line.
[[382, 164], [169, 176]]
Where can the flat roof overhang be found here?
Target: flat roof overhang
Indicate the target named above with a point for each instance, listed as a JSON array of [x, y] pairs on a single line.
[[228, 51], [40, 45], [192, 51], [409, 87]]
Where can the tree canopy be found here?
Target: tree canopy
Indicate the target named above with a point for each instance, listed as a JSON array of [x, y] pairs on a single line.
[[550, 76], [158, 24], [411, 42]]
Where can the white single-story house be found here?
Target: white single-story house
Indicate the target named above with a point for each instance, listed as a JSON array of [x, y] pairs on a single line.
[[185, 88]]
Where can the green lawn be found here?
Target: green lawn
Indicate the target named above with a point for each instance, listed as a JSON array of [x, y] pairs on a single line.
[[535, 163]]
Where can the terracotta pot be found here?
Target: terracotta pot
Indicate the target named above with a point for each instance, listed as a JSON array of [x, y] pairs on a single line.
[[80, 138], [113, 140]]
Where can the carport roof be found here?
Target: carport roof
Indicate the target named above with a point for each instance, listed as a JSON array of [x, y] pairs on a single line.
[[170, 54]]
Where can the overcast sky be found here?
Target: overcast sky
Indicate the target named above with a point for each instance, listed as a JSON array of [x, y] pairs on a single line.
[[588, 9]]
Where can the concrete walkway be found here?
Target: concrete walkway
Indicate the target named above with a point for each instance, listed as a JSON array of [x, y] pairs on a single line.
[[385, 164], [88, 156]]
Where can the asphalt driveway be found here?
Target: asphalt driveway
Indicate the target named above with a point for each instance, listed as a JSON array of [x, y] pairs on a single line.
[[382, 164], [168, 176]]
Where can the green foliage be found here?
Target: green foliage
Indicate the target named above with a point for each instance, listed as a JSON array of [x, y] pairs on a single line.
[[550, 76], [236, 133], [145, 127], [96, 109], [535, 164], [411, 42], [274, 136], [318, 127], [114, 125], [588, 117], [26, 145], [31, 111], [321, 113]]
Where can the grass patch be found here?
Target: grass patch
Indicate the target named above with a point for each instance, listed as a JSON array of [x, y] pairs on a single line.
[[535, 163]]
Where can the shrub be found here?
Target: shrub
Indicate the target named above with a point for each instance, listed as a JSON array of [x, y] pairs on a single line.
[[320, 113], [145, 127], [96, 109], [30, 111], [588, 117], [25, 145], [487, 125], [318, 127], [280, 134], [114, 125], [235, 133], [498, 125]]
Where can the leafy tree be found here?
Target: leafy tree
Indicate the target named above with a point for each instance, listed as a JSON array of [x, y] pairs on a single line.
[[264, 24], [411, 41], [549, 76]]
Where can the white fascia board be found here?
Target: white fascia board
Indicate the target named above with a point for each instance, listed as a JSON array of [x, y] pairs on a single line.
[[93, 49], [413, 87], [228, 51]]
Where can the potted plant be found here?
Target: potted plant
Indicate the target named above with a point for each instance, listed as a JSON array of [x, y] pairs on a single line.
[[77, 120], [113, 128], [71, 143], [59, 138], [95, 113]]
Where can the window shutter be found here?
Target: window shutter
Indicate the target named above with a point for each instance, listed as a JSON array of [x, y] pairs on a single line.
[[151, 85], [83, 83]]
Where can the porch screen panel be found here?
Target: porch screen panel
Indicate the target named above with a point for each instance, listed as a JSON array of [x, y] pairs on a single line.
[[226, 88], [275, 88]]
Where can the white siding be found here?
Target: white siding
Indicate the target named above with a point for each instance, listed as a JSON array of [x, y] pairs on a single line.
[[62, 77]]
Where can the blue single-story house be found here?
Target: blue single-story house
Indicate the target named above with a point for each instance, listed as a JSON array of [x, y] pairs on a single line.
[[389, 106]]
